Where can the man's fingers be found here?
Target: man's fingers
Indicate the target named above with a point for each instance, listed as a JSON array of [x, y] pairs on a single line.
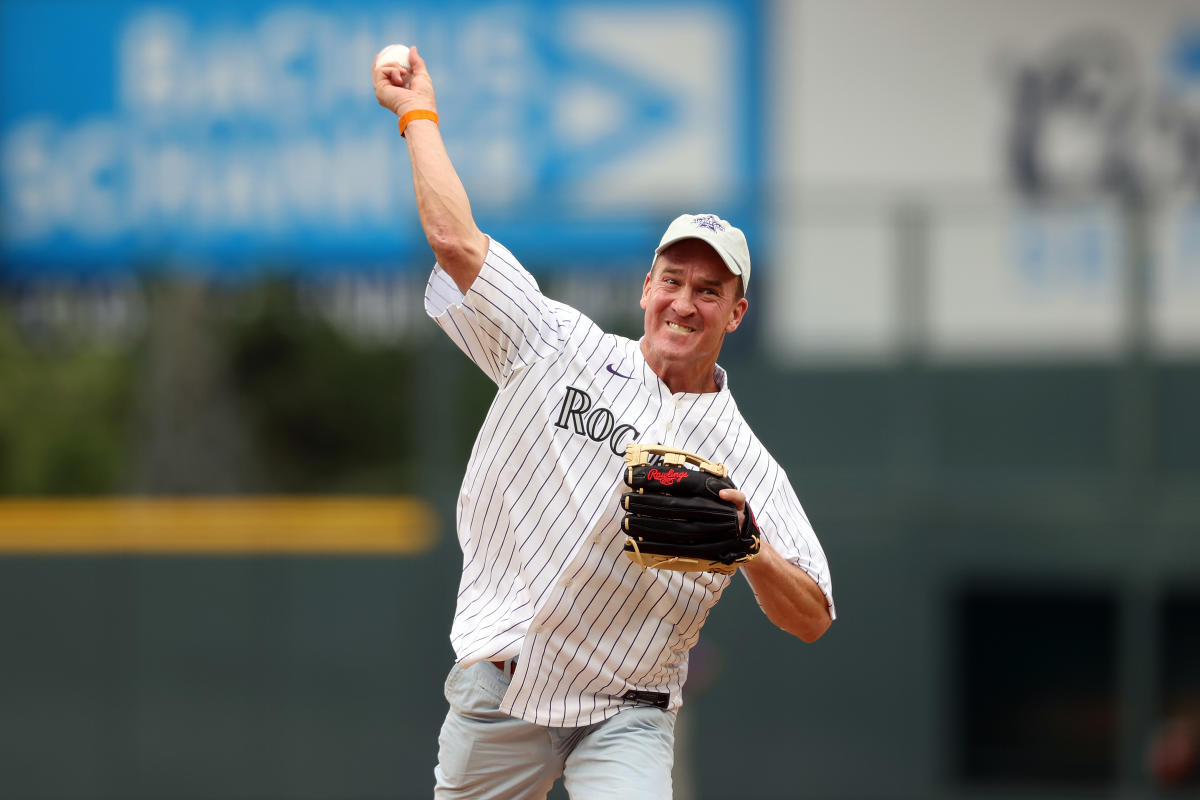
[[735, 496], [738, 498], [397, 87], [394, 74]]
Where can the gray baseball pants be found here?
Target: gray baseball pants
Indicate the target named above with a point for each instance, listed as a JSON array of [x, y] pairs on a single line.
[[484, 754]]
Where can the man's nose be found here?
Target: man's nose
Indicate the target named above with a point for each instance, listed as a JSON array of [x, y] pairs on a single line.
[[682, 304]]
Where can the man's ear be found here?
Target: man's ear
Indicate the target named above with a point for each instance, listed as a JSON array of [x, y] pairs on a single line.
[[739, 311], [646, 288]]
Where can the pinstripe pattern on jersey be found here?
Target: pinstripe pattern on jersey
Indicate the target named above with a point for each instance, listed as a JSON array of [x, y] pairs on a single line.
[[544, 576]]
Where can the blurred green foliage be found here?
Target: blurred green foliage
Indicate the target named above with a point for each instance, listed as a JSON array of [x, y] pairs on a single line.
[[313, 408], [64, 417], [327, 414]]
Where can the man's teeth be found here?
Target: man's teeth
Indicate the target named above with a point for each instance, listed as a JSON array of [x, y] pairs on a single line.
[[673, 326]]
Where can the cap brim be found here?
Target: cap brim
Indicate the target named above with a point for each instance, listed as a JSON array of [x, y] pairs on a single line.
[[726, 258]]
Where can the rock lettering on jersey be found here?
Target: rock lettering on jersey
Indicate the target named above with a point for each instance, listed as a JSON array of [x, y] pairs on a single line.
[[598, 424]]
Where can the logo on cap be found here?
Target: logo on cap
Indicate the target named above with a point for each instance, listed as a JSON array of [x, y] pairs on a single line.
[[710, 221]]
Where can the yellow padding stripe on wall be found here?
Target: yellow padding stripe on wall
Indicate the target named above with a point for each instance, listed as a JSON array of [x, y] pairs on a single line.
[[217, 525]]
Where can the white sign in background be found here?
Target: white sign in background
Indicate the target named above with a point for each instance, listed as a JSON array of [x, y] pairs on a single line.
[[1027, 284], [922, 103], [1175, 281]]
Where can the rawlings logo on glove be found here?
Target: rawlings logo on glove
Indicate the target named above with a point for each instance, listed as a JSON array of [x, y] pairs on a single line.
[[675, 518], [666, 478]]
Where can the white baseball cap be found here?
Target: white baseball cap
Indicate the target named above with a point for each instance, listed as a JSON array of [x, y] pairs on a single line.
[[727, 240]]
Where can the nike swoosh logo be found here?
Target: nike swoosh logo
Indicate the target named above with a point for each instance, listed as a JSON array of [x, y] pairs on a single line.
[[619, 375]]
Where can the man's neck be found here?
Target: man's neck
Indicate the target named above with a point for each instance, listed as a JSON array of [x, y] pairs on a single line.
[[679, 378]]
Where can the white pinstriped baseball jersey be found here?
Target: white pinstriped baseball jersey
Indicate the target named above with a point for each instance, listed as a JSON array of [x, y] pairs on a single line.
[[539, 521]]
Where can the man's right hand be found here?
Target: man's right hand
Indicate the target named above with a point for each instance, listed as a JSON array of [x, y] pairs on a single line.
[[442, 204], [402, 90]]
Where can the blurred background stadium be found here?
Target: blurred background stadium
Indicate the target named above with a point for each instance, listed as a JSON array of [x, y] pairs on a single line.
[[230, 441]]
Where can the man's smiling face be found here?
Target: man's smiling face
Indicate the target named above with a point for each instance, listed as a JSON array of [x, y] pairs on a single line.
[[691, 300]]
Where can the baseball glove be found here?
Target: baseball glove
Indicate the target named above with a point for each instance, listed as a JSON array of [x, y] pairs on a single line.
[[674, 517]]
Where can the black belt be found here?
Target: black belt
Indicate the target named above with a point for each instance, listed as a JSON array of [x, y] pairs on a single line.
[[656, 699]]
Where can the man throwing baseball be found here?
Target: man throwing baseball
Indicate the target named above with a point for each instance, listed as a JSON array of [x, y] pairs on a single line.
[[588, 573]]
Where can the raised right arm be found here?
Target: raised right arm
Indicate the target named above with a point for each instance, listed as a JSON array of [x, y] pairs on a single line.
[[442, 202]]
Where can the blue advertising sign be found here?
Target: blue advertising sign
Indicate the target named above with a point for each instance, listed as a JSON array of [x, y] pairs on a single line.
[[223, 136]]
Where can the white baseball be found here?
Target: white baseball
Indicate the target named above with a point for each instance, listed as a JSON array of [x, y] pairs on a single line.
[[393, 54]]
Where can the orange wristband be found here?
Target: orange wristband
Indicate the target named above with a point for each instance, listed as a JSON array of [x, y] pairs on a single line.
[[419, 113]]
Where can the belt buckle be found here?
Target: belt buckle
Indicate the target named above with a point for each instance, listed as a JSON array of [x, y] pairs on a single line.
[[647, 698]]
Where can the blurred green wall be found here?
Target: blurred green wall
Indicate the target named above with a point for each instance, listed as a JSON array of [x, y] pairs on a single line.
[[939, 494]]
